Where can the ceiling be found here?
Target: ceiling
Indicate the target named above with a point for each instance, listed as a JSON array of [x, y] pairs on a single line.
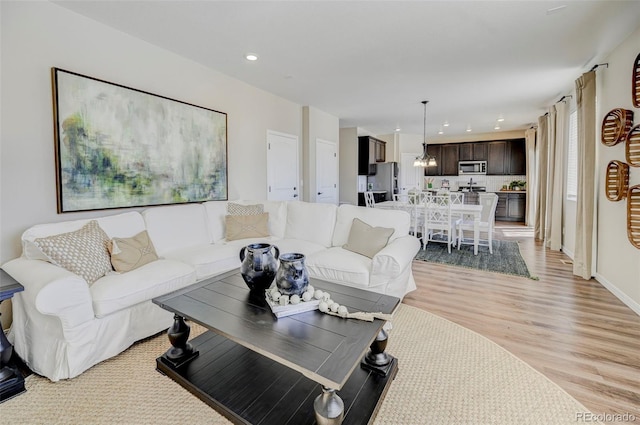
[[371, 63]]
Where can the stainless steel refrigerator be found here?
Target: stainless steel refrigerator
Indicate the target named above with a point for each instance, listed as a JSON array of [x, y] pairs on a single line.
[[386, 179]]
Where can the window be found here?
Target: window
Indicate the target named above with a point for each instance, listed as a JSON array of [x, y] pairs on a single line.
[[572, 157]]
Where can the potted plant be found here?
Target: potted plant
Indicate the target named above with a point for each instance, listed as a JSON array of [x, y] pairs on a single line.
[[518, 185]]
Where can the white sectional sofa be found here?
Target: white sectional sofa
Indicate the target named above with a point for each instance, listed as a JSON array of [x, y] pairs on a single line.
[[62, 325]]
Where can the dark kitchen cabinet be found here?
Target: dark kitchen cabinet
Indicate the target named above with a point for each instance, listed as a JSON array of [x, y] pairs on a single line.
[[450, 159], [474, 151], [511, 206], [370, 152], [517, 157], [496, 158], [436, 152]]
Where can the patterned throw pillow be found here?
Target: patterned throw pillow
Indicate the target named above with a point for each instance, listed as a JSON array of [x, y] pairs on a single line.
[[239, 209], [246, 226], [367, 240], [130, 253], [83, 252]]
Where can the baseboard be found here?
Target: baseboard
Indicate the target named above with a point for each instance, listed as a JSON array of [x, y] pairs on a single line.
[[566, 252], [618, 293]]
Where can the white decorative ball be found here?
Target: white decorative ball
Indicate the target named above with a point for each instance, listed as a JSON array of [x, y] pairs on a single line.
[[307, 296], [274, 289], [311, 289], [326, 296], [294, 299], [334, 306], [342, 311], [284, 300], [275, 295], [318, 294], [323, 306]]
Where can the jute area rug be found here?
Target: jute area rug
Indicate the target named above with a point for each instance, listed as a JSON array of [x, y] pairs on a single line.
[[448, 375], [505, 259]]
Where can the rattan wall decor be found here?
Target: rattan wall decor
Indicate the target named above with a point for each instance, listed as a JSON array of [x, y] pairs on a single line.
[[617, 180], [616, 126], [633, 215], [632, 147], [635, 82]]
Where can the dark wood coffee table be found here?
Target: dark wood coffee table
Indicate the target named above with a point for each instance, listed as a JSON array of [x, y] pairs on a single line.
[[256, 369]]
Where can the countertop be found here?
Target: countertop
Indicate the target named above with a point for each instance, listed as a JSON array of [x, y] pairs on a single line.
[[374, 191], [511, 191]]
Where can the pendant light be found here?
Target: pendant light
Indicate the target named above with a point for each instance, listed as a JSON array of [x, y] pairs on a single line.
[[425, 160]]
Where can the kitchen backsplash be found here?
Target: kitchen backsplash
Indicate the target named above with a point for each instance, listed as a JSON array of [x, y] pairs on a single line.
[[492, 183]]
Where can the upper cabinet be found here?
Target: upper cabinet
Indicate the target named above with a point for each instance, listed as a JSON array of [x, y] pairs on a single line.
[[504, 157], [475, 151], [370, 152], [507, 157]]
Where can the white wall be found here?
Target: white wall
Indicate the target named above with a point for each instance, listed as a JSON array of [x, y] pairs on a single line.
[[349, 165], [316, 125], [618, 262], [39, 35]]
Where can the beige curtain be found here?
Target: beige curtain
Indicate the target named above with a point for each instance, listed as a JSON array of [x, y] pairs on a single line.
[[586, 107], [532, 176], [542, 147], [558, 136]]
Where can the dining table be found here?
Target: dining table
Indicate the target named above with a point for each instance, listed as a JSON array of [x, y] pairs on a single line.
[[461, 210]]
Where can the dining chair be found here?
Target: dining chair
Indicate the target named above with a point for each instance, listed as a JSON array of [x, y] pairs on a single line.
[[409, 202], [369, 200], [489, 202], [438, 225]]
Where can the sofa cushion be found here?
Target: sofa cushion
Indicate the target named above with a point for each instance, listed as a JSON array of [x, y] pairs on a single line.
[[83, 252], [209, 259], [367, 240], [176, 227], [119, 225], [240, 209], [340, 266], [130, 253], [118, 291], [313, 222], [246, 226], [396, 219]]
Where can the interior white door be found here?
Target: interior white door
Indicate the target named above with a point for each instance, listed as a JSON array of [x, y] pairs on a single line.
[[410, 177], [282, 167], [326, 171]]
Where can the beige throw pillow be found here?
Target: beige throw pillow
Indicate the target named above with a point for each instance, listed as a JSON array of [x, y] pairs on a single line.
[[83, 252], [367, 240], [246, 226], [239, 209], [130, 253]]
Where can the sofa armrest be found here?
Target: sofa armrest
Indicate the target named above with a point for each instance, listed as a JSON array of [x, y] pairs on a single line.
[[52, 290], [393, 259]]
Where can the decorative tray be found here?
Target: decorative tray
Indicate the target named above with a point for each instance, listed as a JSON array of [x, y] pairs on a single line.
[[290, 309]]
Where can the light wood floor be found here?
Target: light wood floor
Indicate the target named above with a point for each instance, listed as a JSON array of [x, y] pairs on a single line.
[[573, 331]]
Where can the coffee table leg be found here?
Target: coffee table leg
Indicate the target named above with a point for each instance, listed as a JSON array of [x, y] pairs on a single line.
[[328, 407], [181, 351], [376, 359]]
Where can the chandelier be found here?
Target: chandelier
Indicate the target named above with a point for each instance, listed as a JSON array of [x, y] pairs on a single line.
[[425, 160]]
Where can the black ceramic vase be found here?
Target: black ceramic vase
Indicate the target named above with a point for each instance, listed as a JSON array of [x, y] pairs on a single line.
[[292, 277], [259, 265]]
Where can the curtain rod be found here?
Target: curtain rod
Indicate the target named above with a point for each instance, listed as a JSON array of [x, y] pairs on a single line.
[[564, 97], [598, 65]]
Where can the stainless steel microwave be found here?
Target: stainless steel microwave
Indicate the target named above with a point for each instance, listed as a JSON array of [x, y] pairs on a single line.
[[472, 167]]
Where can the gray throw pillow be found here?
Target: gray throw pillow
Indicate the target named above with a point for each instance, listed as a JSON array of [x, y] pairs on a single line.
[[367, 240]]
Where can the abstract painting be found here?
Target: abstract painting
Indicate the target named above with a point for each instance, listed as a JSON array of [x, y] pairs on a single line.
[[119, 147]]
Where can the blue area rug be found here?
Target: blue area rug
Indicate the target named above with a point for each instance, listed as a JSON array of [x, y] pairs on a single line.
[[505, 259]]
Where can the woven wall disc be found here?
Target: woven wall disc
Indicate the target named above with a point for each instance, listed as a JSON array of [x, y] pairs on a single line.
[[633, 215], [617, 180], [632, 147], [616, 125], [635, 82]]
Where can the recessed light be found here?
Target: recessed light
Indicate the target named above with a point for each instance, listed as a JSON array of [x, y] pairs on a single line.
[[468, 128], [556, 9], [500, 118], [497, 126], [251, 57], [398, 129], [441, 131], [446, 124]]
